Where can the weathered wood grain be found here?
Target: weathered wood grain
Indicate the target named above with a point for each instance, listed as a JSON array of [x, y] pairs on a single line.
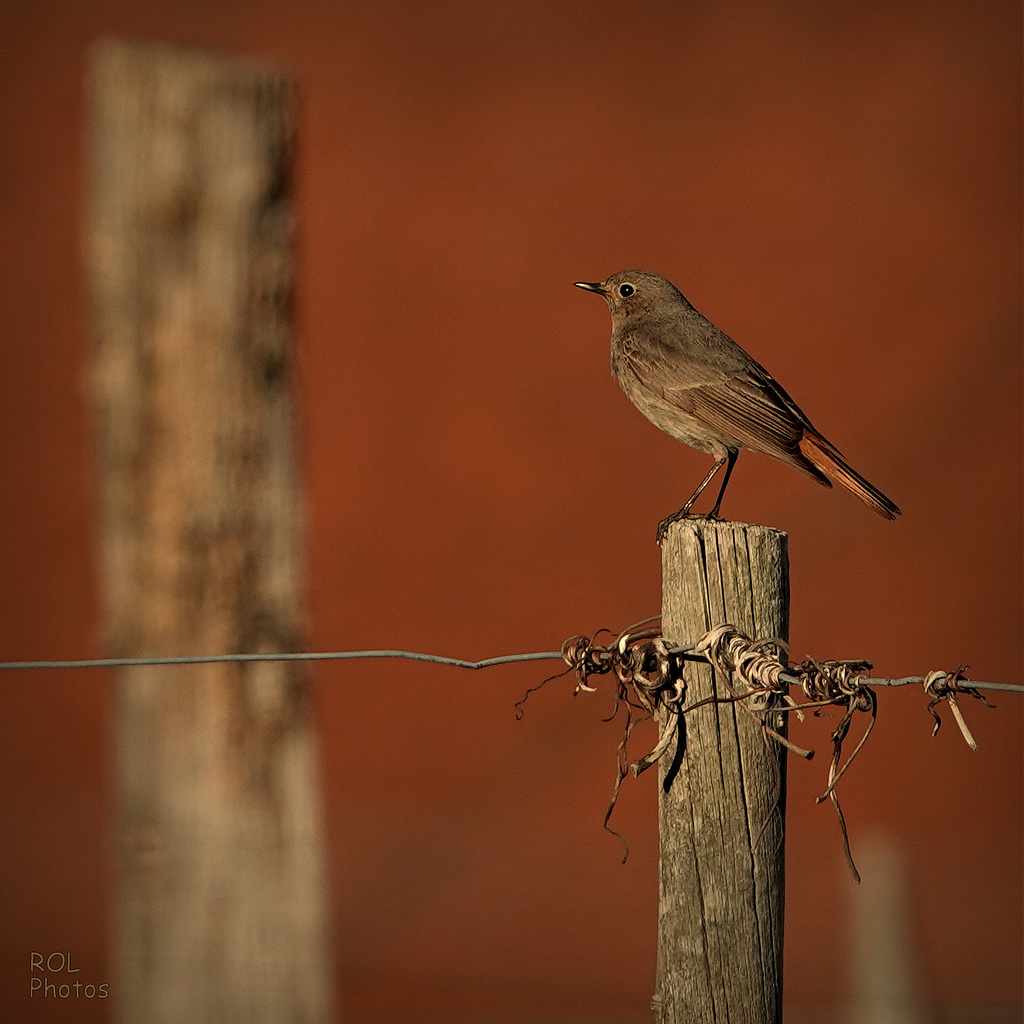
[[722, 815]]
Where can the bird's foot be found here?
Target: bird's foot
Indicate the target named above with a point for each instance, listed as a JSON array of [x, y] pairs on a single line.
[[684, 513]]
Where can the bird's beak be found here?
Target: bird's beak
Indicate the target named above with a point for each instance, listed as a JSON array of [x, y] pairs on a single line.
[[591, 286]]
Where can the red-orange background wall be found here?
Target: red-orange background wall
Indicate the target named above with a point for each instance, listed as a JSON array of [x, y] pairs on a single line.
[[838, 187]]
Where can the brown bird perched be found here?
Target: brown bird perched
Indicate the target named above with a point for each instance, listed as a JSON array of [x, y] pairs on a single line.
[[695, 383]]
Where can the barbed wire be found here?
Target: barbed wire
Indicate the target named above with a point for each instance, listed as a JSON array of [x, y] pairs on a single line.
[[649, 679], [208, 659], [756, 678], [439, 659]]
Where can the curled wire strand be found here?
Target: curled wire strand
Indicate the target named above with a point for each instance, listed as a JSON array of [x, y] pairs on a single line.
[[649, 674], [946, 686]]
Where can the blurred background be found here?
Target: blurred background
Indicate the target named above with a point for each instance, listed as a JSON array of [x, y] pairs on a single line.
[[836, 186]]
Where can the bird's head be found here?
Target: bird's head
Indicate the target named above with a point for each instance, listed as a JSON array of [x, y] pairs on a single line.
[[632, 293]]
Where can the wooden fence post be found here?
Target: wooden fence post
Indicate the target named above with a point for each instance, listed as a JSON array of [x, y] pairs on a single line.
[[221, 913], [722, 803]]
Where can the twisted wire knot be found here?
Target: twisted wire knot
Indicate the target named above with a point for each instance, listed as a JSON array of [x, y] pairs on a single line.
[[945, 686], [831, 682], [750, 661]]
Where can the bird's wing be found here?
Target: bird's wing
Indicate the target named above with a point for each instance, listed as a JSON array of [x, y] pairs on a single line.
[[746, 405], [744, 408]]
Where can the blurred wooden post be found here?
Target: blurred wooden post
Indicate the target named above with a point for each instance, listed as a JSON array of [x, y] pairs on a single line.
[[221, 913], [721, 877]]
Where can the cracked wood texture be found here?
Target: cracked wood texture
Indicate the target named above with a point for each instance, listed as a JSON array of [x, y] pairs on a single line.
[[722, 798], [221, 904]]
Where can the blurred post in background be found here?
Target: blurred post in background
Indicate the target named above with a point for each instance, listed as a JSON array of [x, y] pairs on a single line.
[[221, 904]]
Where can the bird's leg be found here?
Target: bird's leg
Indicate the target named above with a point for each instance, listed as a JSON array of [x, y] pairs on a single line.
[[684, 512], [733, 453]]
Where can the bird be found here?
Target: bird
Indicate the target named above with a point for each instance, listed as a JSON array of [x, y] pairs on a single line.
[[693, 381]]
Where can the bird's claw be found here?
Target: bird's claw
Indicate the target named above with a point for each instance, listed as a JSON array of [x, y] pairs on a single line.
[[711, 516], [683, 513]]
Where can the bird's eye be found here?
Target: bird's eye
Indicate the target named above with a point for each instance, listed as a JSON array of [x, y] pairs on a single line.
[[625, 290]]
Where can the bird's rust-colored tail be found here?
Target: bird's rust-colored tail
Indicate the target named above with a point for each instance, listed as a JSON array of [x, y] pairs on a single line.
[[826, 457]]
